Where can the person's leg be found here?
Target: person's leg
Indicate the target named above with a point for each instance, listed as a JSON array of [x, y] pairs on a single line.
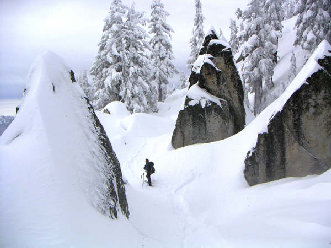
[[149, 179]]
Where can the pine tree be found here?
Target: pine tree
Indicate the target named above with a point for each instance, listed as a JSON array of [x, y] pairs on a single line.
[[136, 89], [84, 84], [105, 83], [293, 70], [234, 38], [197, 34], [162, 55], [289, 8], [252, 52], [221, 32], [313, 23], [184, 80], [259, 37], [273, 31]]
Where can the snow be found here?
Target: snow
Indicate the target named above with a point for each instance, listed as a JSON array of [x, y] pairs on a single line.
[[199, 196], [201, 96], [221, 41], [117, 108], [201, 60], [309, 68], [282, 69], [212, 31], [49, 162]]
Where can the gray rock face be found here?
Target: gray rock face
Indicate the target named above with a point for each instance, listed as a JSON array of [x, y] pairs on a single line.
[[206, 120], [115, 194], [298, 141]]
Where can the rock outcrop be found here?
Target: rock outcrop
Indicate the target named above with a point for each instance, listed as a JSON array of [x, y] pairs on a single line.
[[213, 107], [113, 197], [298, 141]]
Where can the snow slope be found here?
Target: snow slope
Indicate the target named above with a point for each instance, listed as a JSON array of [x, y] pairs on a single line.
[[49, 168], [204, 187], [199, 196]]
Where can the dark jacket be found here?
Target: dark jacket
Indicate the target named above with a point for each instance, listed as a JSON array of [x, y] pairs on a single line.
[[149, 168]]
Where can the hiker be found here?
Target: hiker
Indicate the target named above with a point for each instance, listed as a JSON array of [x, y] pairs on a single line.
[[149, 168]]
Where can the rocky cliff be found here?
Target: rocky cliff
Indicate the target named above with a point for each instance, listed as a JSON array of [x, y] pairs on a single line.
[[214, 104], [298, 141]]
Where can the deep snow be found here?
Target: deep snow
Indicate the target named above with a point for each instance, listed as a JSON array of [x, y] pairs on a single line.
[[199, 199]]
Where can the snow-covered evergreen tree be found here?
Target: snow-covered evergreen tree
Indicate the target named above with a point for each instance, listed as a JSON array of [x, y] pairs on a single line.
[[198, 34], [259, 37], [273, 30], [234, 36], [84, 84], [290, 8], [106, 62], [313, 23], [162, 55], [293, 70], [221, 32], [136, 89], [184, 80]]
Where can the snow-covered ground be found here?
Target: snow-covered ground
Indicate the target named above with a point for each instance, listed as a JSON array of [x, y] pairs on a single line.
[[200, 193], [199, 196]]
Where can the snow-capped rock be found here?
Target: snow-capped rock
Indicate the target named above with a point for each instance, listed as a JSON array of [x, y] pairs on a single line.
[[214, 103], [297, 142]]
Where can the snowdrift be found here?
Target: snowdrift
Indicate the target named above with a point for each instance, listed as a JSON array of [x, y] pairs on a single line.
[[199, 199], [56, 164], [204, 187]]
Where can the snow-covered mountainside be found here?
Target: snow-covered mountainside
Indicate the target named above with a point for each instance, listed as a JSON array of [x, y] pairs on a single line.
[[199, 196]]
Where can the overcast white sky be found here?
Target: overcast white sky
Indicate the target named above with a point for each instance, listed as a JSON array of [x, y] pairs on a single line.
[[72, 29]]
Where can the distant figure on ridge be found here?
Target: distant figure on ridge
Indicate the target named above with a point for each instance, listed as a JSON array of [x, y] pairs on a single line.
[[149, 168]]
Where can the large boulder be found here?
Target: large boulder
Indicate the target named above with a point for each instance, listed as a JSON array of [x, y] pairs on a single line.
[[213, 107], [298, 141]]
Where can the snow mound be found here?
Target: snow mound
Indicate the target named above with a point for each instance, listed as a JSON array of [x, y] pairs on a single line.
[[52, 164], [117, 108]]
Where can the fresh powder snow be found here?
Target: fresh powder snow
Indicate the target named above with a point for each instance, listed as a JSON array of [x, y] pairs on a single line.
[[199, 196]]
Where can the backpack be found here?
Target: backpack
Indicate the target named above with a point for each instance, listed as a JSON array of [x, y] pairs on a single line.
[[151, 164]]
